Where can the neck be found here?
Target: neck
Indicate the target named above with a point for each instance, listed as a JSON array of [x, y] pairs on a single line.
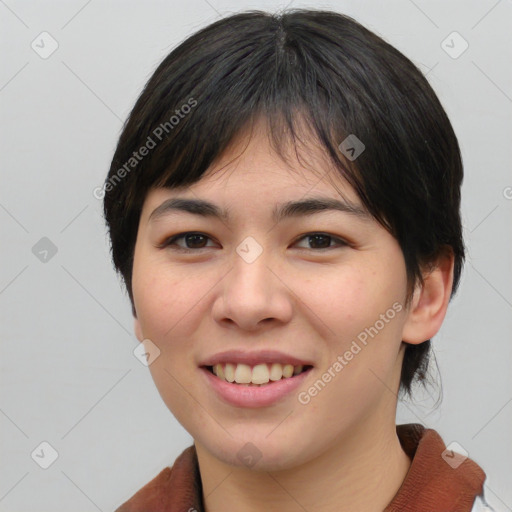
[[361, 471]]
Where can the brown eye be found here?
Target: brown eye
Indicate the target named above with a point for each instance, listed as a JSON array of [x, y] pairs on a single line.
[[322, 241], [196, 241], [193, 241]]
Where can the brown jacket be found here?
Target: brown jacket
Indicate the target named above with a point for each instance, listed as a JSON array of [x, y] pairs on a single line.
[[432, 484]]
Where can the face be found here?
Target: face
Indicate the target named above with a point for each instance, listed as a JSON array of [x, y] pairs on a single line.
[[324, 288]]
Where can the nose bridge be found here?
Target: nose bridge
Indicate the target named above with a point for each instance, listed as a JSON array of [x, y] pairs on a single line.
[[251, 276], [251, 292]]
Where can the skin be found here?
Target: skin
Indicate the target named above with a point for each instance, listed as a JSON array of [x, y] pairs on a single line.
[[340, 451]]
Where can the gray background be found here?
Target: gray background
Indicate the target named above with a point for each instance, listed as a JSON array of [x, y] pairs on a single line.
[[68, 374]]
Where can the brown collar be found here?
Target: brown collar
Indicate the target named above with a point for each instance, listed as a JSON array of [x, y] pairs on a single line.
[[431, 484]]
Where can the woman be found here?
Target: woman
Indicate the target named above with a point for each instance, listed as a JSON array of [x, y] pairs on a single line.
[[284, 208]]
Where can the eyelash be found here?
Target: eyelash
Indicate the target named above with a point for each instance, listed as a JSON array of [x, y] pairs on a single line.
[[171, 241]]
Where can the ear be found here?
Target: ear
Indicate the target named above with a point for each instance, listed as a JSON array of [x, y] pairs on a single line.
[[430, 301]]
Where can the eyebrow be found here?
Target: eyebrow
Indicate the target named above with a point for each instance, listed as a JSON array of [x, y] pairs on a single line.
[[282, 211]]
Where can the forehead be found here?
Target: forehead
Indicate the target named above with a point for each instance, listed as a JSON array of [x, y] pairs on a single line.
[[251, 172]]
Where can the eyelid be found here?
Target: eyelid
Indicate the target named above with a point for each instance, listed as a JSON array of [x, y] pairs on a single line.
[[341, 241], [170, 240]]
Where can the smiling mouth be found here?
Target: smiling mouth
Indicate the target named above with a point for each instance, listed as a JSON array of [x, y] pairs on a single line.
[[257, 375]]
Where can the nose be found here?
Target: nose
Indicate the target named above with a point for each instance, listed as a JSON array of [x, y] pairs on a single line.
[[253, 295]]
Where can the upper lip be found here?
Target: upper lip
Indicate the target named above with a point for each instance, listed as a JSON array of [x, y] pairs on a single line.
[[253, 358]]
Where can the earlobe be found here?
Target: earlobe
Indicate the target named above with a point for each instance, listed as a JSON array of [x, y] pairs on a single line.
[[430, 302]]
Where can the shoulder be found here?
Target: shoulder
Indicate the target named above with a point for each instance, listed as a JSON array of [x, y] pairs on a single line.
[[177, 487], [149, 498]]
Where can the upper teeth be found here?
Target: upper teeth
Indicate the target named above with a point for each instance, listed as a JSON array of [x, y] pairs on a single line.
[[259, 374]]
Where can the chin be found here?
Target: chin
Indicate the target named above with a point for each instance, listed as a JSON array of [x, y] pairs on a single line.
[[258, 451]]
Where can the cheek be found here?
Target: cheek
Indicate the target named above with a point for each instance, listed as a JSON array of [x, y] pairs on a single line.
[[348, 301], [370, 294], [166, 305], [363, 310], [164, 298]]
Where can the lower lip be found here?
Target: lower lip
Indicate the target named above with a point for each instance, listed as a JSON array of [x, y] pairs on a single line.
[[254, 396]]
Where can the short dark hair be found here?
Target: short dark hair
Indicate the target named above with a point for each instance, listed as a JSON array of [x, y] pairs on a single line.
[[316, 66]]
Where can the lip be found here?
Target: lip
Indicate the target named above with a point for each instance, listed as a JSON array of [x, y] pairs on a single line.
[[253, 396], [254, 358]]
